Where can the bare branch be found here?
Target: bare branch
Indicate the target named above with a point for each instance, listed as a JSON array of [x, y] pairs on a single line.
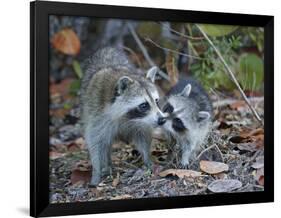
[[133, 53], [145, 53], [230, 73], [181, 34], [223, 103], [171, 50]]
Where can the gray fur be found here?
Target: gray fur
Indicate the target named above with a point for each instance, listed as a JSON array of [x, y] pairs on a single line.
[[110, 88], [192, 105]]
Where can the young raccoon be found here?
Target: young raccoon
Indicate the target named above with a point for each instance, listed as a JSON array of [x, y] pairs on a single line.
[[189, 116], [117, 104]]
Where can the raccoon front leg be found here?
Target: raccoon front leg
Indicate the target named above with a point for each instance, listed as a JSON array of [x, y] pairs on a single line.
[[95, 156], [185, 156], [106, 161], [143, 146]]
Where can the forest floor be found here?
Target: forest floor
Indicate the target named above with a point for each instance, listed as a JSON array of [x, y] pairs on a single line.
[[231, 160]]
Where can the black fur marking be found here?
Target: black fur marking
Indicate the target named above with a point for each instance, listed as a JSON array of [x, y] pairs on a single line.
[[144, 107], [136, 113], [116, 94], [178, 125], [168, 108]]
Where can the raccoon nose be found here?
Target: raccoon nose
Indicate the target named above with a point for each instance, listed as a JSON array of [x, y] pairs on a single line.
[[161, 120]]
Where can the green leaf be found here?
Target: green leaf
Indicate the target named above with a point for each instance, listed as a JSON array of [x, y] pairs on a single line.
[[77, 69], [74, 87], [217, 30], [149, 29], [250, 71]]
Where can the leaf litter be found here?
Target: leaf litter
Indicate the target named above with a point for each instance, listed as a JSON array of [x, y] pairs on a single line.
[[231, 160]]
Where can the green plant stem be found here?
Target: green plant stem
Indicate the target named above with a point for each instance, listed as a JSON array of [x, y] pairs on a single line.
[[230, 73]]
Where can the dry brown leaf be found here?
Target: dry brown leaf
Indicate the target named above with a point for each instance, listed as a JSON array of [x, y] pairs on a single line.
[[172, 68], [80, 142], [66, 41], [54, 155], [212, 167], [181, 173], [224, 185], [62, 87], [260, 176], [116, 180], [252, 140], [80, 176], [237, 105], [72, 147], [259, 163], [247, 147], [83, 165], [119, 197]]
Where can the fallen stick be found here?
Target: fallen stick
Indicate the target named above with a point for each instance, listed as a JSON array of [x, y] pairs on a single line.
[[226, 102]]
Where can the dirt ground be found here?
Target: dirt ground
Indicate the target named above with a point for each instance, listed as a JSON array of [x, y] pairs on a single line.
[[231, 160]]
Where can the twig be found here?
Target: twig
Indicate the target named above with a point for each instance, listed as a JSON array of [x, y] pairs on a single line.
[[230, 73], [145, 53], [203, 151], [171, 50], [130, 165], [206, 149], [223, 103], [133, 53], [181, 34]]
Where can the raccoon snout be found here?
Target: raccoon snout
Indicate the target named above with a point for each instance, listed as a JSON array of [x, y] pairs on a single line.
[[161, 121]]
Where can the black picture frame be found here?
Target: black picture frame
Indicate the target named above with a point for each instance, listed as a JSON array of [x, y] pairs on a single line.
[[39, 108]]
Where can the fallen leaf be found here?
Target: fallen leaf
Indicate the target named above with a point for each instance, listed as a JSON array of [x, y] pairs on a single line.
[[181, 173], [54, 155], [247, 147], [212, 167], [260, 176], [80, 142], [224, 185], [237, 105], [252, 140], [119, 197], [60, 88], [259, 163], [254, 135], [66, 41], [83, 165], [116, 180], [80, 176], [238, 139], [224, 125], [72, 147]]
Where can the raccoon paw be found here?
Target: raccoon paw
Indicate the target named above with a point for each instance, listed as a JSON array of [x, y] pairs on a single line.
[[95, 180], [149, 164], [106, 171], [183, 165]]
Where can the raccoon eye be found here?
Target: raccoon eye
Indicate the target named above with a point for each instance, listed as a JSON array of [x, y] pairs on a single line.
[[157, 102], [178, 125], [168, 108], [144, 106]]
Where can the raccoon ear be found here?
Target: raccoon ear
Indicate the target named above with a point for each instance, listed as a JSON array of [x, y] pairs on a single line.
[[203, 115], [186, 91], [123, 83], [151, 73]]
